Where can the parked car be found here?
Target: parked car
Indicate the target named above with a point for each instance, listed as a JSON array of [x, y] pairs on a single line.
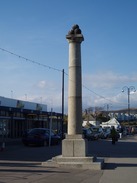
[[62, 135], [98, 131], [40, 137], [89, 134], [106, 133]]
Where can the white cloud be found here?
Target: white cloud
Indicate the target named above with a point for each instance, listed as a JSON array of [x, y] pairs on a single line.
[[42, 84], [107, 88], [107, 79]]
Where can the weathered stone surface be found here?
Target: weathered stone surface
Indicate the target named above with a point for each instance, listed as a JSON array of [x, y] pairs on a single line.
[[74, 147], [79, 163]]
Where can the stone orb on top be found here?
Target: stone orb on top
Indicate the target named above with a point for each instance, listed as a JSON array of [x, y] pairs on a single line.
[[75, 30]]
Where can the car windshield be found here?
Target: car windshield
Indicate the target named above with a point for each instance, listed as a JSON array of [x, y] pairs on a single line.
[[40, 131]]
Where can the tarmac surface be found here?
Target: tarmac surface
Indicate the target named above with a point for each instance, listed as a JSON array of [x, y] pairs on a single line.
[[20, 164]]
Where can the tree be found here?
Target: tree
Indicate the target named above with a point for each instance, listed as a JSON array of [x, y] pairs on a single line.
[[95, 114]]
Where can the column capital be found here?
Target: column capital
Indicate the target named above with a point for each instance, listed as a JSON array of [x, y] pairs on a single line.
[[75, 35]]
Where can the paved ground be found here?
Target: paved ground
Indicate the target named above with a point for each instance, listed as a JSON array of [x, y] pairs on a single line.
[[21, 164]]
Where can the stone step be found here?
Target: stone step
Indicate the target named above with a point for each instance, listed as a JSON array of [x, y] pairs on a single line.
[[96, 165], [74, 159]]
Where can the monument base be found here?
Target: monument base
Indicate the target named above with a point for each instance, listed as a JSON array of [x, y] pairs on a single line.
[[74, 146], [75, 155], [91, 163]]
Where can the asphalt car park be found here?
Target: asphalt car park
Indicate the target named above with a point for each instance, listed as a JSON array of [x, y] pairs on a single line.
[[19, 163], [15, 150]]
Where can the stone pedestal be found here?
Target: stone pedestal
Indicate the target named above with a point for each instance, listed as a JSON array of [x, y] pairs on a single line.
[[75, 155], [74, 146]]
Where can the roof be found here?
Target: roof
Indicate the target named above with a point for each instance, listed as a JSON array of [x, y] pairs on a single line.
[[111, 122]]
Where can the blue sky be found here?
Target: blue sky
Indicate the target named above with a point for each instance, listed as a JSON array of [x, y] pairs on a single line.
[[36, 30]]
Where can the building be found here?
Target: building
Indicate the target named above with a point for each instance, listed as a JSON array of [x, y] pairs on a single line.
[[16, 116], [110, 123]]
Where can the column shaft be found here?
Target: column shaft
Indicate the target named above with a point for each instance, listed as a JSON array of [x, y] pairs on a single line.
[[75, 90]]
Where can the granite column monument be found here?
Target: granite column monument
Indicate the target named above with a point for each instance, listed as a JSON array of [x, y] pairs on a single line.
[[74, 146]]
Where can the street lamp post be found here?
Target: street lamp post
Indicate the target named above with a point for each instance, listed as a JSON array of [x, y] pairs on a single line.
[[129, 89], [107, 106], [107, 109], [62, 127]]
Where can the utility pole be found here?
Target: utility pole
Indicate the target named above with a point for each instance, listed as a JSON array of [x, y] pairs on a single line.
[[129, 89], [62, 127]]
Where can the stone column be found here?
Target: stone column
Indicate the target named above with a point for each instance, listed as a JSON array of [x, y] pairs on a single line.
[[74, 145], [75, 38]]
